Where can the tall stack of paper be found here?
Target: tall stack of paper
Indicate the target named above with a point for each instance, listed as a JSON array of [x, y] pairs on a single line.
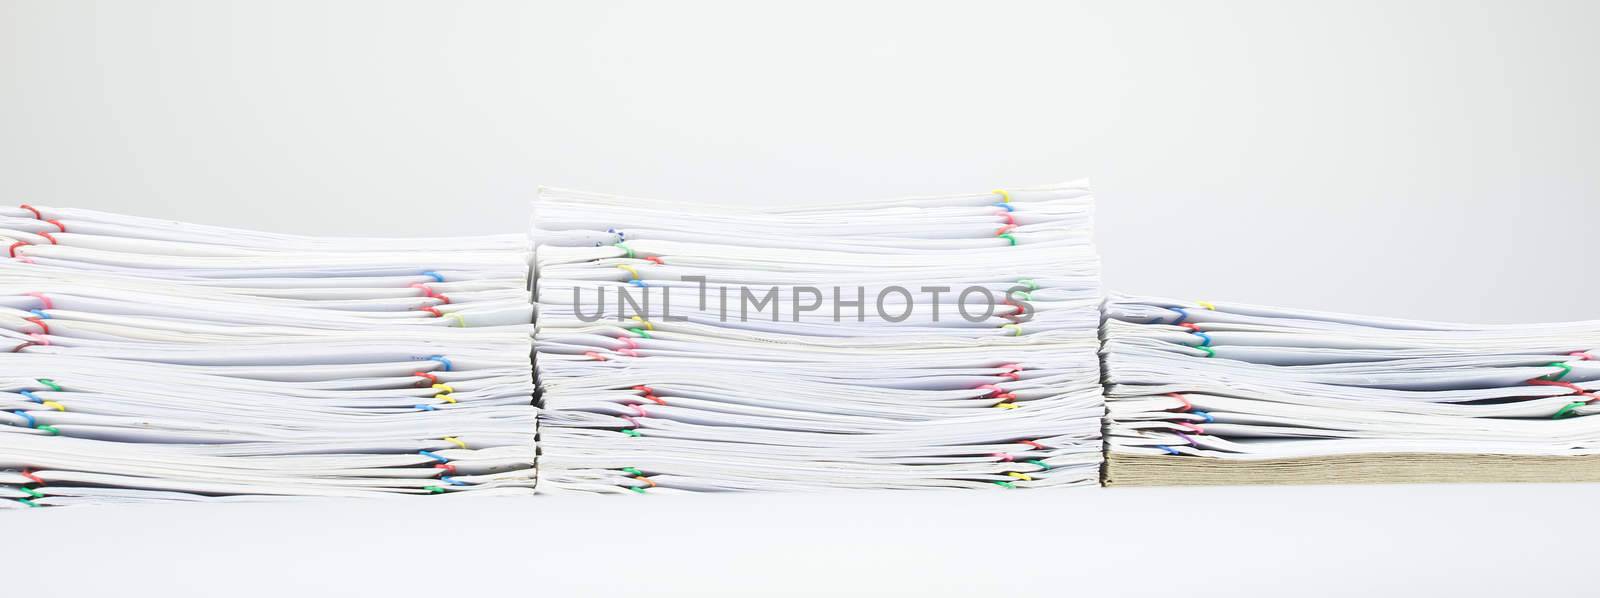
[[144, 360], [1226, 393], [918, 343]]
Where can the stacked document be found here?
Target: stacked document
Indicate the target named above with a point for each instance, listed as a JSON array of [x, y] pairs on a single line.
[[935, 342], [1222, 393], [147, 360]]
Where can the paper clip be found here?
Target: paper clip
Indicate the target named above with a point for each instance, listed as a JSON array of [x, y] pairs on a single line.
[[1207, 305], [1568, 410], [632, 471], [434, 489], [595, 356], [1019, 475], [434, 456], [1007, 485], [1182, 315], [460, 321], [656, 259], [1004, 195], [1209, 352], [1206, 416], [631, 432], [645, 322], [1006, 405], [630, 270], [32, 423], [1577, 390], [1005, 205], [640, 332], [28, 394], [1008, 237], [451, 481], [1016, 329], [1565, 370], [1042, 465], [43, 300], [1032, 443], [441, 359], [455, 441], [1029, 282], [54, 405], [624, 247], [444, 387], [1006, 457], [434, 275], [1181, 399], [427, 378], [28, 473], [14, 247], [36, 214], [1170, 450]]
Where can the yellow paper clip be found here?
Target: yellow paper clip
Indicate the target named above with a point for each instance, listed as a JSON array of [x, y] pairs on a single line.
[[1207, 305], [630, 270], [445, 387], [646, 323], [1006, 406], [455, 441], [1004, 196], [460, 321], [1019, 475], [1016, 330], [54, 405]]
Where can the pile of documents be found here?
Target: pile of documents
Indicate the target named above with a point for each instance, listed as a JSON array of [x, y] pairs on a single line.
[[148, 360], [1222, 393], [917, 343]]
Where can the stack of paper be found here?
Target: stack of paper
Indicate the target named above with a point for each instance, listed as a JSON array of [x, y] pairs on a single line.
[[695, 348], [145, 360], [1225, 393]]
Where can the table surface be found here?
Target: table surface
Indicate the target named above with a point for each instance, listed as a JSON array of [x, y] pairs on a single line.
[[1461, 540]]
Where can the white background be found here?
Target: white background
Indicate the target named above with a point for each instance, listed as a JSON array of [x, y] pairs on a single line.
[[1422, 159]]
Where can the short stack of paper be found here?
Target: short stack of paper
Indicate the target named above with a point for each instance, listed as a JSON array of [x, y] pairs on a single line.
[[147, 360], [695, 348], [1223, 393]]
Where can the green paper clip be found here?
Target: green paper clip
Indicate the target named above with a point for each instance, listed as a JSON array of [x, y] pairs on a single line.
[[1568, 411], [50, 383], [1556, 377]]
